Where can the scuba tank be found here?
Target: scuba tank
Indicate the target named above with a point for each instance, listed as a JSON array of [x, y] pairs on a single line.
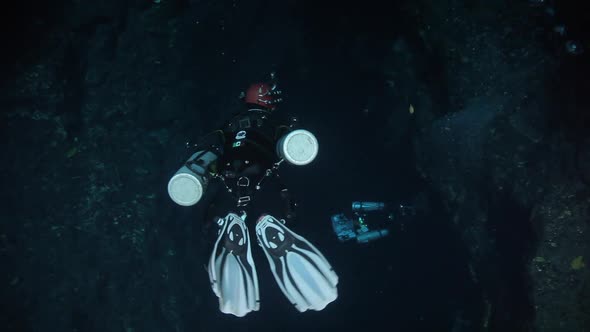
[[187, 185], [367, 206]]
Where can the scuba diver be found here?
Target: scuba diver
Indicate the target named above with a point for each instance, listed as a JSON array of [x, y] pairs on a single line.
[[357, 225], [243, 157]]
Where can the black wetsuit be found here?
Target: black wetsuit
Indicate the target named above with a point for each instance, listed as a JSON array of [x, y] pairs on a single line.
[[248, 165]]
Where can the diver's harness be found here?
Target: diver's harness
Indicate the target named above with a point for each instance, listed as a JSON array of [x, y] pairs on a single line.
[[243, 191], [244, 182]]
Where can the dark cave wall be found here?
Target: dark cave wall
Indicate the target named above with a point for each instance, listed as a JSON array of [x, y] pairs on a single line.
[[503, 163], [109, 92]]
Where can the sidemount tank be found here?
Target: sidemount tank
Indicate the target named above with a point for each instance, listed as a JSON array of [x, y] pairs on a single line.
[[298, 147], [187, 185], [367, 206], [371, 235]]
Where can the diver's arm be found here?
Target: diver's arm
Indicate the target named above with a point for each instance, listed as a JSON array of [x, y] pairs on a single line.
[[211, 141]]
